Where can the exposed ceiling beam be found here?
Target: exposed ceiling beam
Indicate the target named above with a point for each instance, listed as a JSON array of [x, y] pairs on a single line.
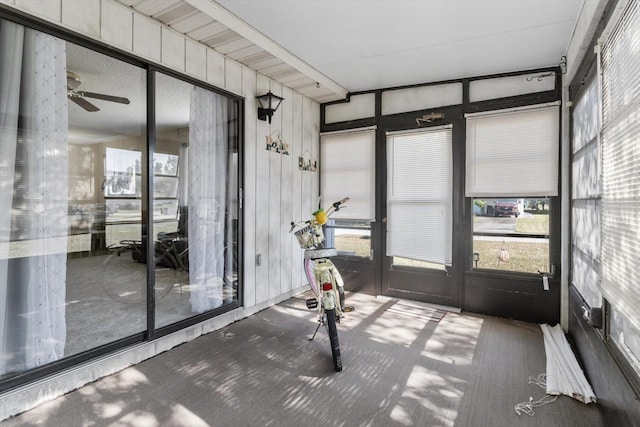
[[237, 25]]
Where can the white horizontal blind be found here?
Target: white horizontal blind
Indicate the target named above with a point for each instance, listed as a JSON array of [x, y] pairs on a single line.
[[419, 195], [585, 193], [513, 153], [347, 165], [621, 166]]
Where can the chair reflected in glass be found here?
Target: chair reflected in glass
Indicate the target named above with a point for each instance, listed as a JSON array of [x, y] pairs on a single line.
[[171, 266]]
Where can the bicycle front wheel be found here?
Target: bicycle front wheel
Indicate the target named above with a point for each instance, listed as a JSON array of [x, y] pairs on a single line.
[[333, 338]]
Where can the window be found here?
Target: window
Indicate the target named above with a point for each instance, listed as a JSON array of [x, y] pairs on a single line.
[[511, 176], [513, 152], [55, 201], [620, 211], [349, 237], [419, 197], [511, 234], [195, 211], [626, 338], [347, 170]]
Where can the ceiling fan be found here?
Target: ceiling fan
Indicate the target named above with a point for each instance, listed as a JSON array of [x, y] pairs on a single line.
[[78, 96]]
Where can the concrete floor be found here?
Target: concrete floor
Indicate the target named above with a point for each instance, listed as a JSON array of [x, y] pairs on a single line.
[[404, 365]]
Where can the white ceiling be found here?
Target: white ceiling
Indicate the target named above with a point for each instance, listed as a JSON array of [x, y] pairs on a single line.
[[371, 44], [325, 49], [346, 45]]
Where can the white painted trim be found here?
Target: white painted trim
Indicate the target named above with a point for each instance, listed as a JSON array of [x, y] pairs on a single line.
[[580, 44], [613, 21], [237, 25]]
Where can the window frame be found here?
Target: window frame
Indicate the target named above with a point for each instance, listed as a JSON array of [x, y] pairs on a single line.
[[524, 102], [550, 269]]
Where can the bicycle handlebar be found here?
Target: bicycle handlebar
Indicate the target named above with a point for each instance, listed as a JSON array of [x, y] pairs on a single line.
[[338, 205], [335, 206]]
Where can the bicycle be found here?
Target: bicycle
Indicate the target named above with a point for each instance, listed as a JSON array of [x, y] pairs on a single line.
[[318, 268], [125, 276]]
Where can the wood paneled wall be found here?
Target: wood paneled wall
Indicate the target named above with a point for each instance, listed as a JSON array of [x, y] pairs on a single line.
[[277, 191]]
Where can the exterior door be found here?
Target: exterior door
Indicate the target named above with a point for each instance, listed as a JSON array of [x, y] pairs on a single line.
[[418, 216]]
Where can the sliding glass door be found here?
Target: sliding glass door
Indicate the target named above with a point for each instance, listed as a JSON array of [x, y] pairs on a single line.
[[195, 204], [109, 234]]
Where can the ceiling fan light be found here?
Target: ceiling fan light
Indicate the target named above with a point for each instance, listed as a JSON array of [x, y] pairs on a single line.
[[73, 80]]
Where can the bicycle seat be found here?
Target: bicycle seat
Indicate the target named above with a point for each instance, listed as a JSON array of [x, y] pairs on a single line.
[[320, 253]]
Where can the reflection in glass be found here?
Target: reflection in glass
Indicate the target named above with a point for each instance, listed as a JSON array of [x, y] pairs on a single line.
[[105, 150], [120, 172], [73, 239], [195, 200], [166, 186], [56, 207]]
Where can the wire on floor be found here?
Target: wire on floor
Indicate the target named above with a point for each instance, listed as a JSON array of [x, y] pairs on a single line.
[[527, 407]]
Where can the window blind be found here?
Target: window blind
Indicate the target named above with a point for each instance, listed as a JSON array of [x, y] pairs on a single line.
[[347, 165], [620, 61], [419, 195], [513, 153]]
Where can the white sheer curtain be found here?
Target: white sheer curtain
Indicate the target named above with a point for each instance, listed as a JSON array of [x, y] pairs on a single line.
[[33, 197], [207, 195]]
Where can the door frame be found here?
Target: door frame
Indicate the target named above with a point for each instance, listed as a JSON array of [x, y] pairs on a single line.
[[444, 288]]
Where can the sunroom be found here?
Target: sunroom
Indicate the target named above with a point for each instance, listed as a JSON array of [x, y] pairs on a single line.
[[489, 150]]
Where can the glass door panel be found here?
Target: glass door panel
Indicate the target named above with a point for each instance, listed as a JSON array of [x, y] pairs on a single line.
[[419, 209]]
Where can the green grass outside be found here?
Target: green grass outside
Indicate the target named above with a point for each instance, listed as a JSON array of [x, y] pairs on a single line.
[[527, 257], [523, 256], [536, 224], [353, 245]]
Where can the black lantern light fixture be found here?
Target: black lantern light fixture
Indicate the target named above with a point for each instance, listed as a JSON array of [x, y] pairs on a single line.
[[269, 103]]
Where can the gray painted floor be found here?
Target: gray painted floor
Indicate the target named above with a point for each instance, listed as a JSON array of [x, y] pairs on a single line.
[[403, 366]]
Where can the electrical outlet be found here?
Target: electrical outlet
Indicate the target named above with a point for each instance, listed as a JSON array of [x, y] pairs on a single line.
[[259, 259]]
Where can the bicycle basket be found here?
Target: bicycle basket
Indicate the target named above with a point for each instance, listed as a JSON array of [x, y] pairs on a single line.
[[307, 237]]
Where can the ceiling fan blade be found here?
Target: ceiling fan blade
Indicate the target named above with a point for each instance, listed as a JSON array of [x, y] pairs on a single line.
[[104, 97], [84, 103]]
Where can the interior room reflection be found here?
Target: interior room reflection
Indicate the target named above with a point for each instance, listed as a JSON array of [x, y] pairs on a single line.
[[106, 225], [73, 243]]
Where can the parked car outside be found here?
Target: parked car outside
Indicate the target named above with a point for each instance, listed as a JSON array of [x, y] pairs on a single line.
[[503, 207]]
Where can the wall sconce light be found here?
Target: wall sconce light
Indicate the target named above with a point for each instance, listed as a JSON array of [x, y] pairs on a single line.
[[269, 103]]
